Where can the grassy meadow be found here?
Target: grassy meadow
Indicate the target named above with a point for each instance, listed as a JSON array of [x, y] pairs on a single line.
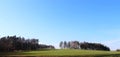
[[63, 53]]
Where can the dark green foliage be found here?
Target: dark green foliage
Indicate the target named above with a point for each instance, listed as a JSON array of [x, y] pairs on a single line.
[[13, 43], [118, 50], [84, 45], [94, 46], [65, 44], [43, 46], [61, 45]]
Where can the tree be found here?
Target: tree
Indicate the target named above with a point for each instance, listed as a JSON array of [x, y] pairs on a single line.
[[65, 44], [74, 45], [68, 45], [61, 44]]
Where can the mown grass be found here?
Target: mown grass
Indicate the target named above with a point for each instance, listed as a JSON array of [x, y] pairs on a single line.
[[62, 53]]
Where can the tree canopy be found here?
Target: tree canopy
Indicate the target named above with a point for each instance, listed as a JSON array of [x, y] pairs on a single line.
[[13, 43], [83, 45]]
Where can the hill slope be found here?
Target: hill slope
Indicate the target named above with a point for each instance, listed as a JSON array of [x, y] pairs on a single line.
[[63, 53]]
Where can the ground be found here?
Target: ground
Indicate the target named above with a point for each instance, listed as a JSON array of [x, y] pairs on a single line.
[[61, 52]]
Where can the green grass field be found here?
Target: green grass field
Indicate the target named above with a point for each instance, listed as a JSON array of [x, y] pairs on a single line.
[[62, 53]]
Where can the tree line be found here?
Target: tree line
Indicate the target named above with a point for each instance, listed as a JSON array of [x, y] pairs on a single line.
[[83, 45], [13, 43]]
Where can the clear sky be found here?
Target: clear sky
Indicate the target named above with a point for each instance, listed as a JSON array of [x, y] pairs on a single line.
[[52, 21]]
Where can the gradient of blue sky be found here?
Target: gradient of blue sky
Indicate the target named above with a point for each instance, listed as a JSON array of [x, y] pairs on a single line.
[[52, 21]]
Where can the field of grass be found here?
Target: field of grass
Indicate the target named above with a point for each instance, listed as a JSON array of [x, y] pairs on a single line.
[[62, 53]]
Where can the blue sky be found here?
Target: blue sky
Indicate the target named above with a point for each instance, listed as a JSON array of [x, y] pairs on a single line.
[[52, 21]]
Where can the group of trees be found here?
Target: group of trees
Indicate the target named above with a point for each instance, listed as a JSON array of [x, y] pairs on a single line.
[[94, 46], [117, 49], [43, 46], [13, 43], [70, 44], [84, 45]]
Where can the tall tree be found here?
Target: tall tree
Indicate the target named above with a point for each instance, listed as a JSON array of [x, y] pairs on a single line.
[[68, 45], [61, 44], [65, 44]]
